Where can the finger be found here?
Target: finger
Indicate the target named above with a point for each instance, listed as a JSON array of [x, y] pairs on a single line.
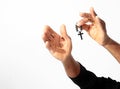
[[82, 21], [86, 27], [99, 22], [45, 37], [48, 45], [85, 15], [48, 30], [48, 33], [92, 12], [63, 31]]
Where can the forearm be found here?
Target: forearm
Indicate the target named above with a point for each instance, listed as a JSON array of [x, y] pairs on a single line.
[[72, 67], [114, 48]]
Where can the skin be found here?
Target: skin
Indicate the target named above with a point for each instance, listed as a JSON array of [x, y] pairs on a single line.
[[97, 31], [60, 46]]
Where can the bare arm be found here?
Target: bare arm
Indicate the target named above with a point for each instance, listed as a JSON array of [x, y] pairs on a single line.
[[72, 67], [60, 46], [114, 48]]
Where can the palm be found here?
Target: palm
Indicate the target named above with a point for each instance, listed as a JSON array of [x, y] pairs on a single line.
[[97, 32], [59, 46], [96, 29]]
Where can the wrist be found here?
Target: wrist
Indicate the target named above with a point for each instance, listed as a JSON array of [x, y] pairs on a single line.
[[107, 42], [67, 59]]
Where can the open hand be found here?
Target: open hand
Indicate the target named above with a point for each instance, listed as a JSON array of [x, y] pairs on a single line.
[[60, 46]]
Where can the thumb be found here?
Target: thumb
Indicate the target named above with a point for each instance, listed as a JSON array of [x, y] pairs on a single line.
[[93, 13], [63, 31]]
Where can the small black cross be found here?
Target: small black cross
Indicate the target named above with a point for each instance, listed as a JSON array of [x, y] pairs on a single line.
[[80, 34], [79, 31]]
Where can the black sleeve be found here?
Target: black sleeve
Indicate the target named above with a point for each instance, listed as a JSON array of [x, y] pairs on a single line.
[[85, 78], [88, 80]]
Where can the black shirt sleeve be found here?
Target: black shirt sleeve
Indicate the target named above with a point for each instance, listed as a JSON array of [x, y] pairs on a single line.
[[88, 80]]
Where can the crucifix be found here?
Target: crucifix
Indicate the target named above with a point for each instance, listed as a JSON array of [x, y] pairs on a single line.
[[79, 31]]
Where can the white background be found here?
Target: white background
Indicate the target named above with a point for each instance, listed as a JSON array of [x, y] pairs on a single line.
[[25, 63]]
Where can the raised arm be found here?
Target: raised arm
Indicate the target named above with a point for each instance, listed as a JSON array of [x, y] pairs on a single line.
[[114, 48], [97, 31], [60, 46]]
